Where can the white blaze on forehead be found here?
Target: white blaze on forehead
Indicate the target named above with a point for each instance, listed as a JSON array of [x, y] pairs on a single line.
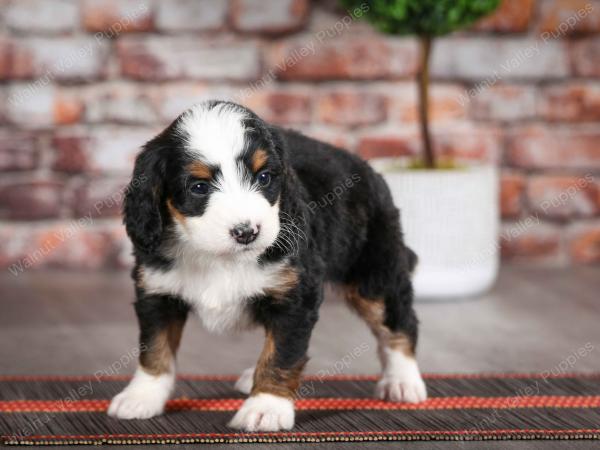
[[216, 135]]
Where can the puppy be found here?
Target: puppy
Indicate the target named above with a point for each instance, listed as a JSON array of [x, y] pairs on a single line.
[[242, 223]]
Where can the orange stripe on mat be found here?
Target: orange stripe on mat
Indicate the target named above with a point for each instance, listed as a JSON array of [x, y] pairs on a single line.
[[555, 401]]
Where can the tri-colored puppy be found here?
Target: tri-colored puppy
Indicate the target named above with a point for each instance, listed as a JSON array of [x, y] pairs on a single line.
[[242, 223]]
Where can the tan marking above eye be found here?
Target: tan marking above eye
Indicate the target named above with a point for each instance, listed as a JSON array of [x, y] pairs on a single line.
[[200, 170], [259, 159]]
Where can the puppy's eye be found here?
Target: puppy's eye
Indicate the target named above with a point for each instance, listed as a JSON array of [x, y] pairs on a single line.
[[200, 188], [264, 178]]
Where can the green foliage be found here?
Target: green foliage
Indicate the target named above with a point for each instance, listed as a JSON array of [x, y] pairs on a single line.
[[422, 17]]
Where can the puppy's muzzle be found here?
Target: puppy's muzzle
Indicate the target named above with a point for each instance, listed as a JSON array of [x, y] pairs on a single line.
[[244, 233]]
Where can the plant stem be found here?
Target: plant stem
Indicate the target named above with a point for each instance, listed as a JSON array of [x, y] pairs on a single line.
[[428, 153]]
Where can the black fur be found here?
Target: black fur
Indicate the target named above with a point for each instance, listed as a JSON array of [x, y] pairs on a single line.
[[342, 207]]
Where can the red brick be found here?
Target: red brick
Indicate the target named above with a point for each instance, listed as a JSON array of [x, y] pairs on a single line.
[[122, 103], [281, 107], [114, 17], [70, 153], [52, 59], [12, 253], [269, 16], [75, 244], [351, 107], [112, 150], [469, 143], [461, 143], [17, 256], [486, 60], [388, 145], [531, 240], [42, 108], [565, 17], [570, 102], [503, 102], [445, 102], [3, 103], [18, 151], [57, 16], [511, 16], [67, 110], [69, 59], [584, 242], [364, 57], [31, 201], [90, 247], [99, 198], [190, 15], [169, 58], [563, 196], [335, 137], [173, 99], [331, 21], [16, 62], [539, 147], [585, 55], [123, 257], [512, 187]]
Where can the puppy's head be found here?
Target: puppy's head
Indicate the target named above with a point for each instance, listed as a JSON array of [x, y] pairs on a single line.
[[214, 176]]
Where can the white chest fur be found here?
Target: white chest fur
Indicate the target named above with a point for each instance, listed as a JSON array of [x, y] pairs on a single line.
[[219, 289]]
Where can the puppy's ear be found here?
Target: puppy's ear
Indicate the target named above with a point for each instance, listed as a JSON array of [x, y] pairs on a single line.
[[279, 144], [142, 208], [289, 200]]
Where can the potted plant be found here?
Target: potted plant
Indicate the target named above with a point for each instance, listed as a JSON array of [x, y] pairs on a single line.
[[449, 209]]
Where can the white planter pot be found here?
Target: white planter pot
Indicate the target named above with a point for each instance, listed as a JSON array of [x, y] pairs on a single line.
[[450, 219]]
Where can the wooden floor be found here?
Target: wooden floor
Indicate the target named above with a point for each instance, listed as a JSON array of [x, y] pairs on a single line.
[[534, 320]]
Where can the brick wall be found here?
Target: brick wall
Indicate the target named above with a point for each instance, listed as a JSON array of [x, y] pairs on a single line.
[[85, 83]]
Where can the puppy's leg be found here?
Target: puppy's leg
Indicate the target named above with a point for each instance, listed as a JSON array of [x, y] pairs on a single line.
[[161, 320], [270, 406], [393, 322]]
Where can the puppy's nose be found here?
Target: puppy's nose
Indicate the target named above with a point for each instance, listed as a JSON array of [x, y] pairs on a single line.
[[244, 233]]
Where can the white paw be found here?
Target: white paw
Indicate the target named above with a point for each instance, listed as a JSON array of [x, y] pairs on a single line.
[[135, 405], [245, 382], [144, 397], [401, 390], [264, 412], [401, 380]]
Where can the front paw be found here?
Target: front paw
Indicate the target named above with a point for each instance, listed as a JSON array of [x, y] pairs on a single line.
[[409, 389], [264, 412], [144, 397], [136, 405]]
